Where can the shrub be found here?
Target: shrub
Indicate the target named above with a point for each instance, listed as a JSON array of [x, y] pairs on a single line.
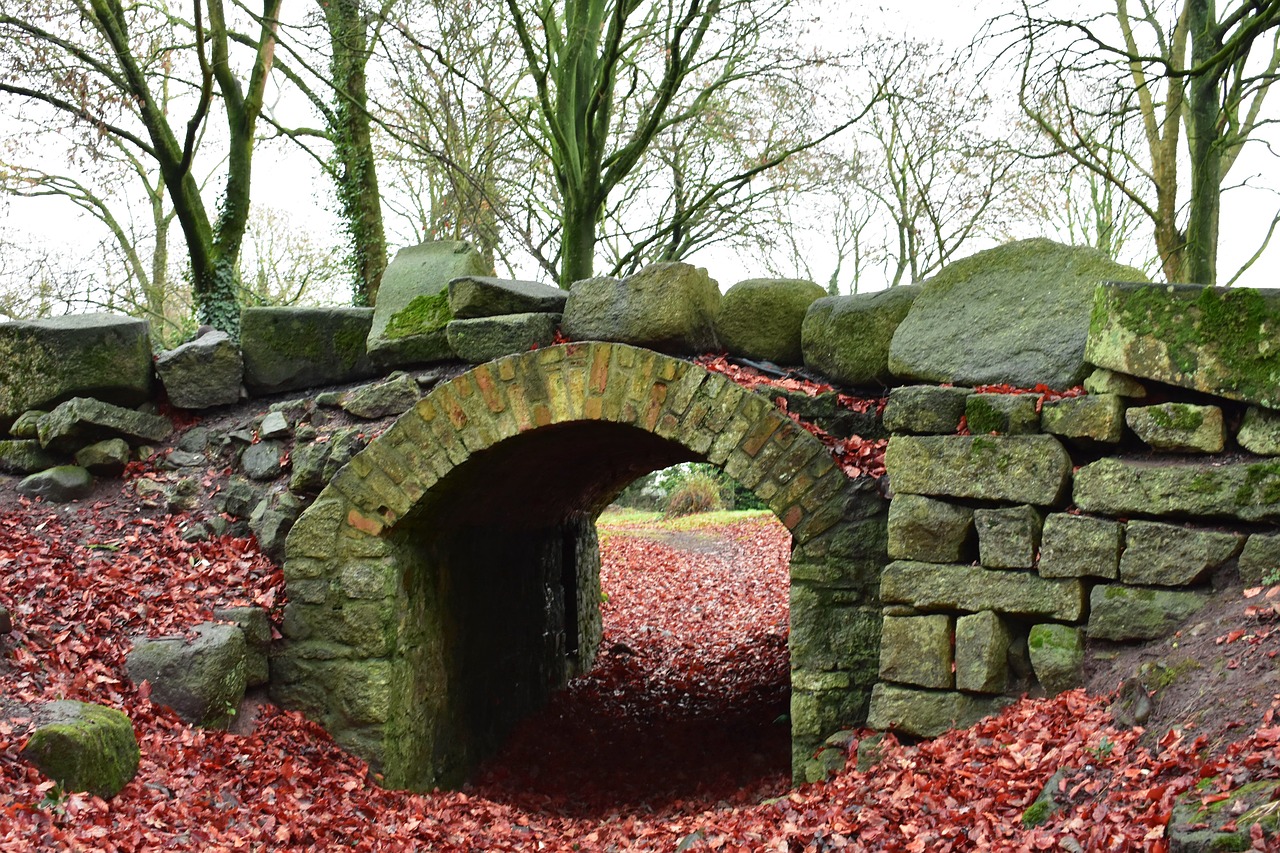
[[698, 491]]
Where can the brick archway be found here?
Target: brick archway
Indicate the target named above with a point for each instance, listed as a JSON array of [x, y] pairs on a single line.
[[446, 581]]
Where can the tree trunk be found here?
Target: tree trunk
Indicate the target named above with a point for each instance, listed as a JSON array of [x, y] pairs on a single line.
[[578, 243], [357, 177], [1202, 223]]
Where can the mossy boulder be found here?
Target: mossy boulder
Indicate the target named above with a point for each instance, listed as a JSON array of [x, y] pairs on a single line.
[[1218, 340], [290, 348], [413, 303], [1259, 562], [1016, 314], [44, 362], [669, 307], [202, 680], [1031, 469], [486, 338], [1178, 427], [925, 409], [107, 457], [1057, 656], [58, 484], [84, 747], [760, 318], [202, 373], [1119, 612], [1184, 489], [846, 338], [472, 296]]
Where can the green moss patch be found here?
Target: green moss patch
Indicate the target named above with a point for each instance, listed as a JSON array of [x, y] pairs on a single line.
[[422, 314]]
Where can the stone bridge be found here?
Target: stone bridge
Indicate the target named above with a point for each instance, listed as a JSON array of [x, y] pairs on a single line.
[[447, 580]]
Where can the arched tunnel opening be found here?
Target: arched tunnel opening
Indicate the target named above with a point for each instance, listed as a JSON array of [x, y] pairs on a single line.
[[502, 566]]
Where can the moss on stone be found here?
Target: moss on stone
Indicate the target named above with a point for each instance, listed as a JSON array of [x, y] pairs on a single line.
[[1037, 813], [982, 417], [422, 314], [1178, 416]]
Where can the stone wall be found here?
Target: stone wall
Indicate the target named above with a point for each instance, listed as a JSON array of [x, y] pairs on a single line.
[[1023, 525]]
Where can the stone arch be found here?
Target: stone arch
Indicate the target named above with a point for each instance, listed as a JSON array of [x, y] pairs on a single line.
[[446, 580]]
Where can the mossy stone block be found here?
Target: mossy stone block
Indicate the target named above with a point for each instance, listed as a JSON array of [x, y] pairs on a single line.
[[669, 307], [1093, 418], [1057, 656], [1008, 537], [1031, 469], [44, 362], [931, 530], [285, 349], [409, 319], [84, 747], [1171, 555], [1103, 381], [1259, 562], [927, 713], [924, 409], [847, 338], [1259, 431], [1078, 546], [1002, 414], [483, 339], [1184, 489], [932, 587], [1217, 340], [473, 296], [982, 653], [1119, 612], [24, 456], [917, 650], [1178, 427], [83, 420]]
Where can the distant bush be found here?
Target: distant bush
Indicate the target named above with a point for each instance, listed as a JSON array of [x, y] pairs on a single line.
[[697, 491]]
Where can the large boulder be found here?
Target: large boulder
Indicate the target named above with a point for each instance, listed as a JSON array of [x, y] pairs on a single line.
[[202, 373], [43, 362], [761, 318], [1217, 340], [84, 747], [1016, 314], [290, 348], [413, 303], [669, 307], [202, 680], [474, 296], [847, 338], [81, 421]]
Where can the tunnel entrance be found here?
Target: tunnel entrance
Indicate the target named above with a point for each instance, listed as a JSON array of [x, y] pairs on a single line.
[[447, 581]]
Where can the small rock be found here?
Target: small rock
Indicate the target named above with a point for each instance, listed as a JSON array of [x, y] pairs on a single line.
[[925, 409], [24, 456], [26, 424], [1178, 427], [6, 621], [194, 440], [1259, 431], [59, 484], [1057, 656], [263, 461], [392, 397], [1096, 418], [1103, 381], [1002, 414], [202, 373], [183, 459], [274, 425]]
